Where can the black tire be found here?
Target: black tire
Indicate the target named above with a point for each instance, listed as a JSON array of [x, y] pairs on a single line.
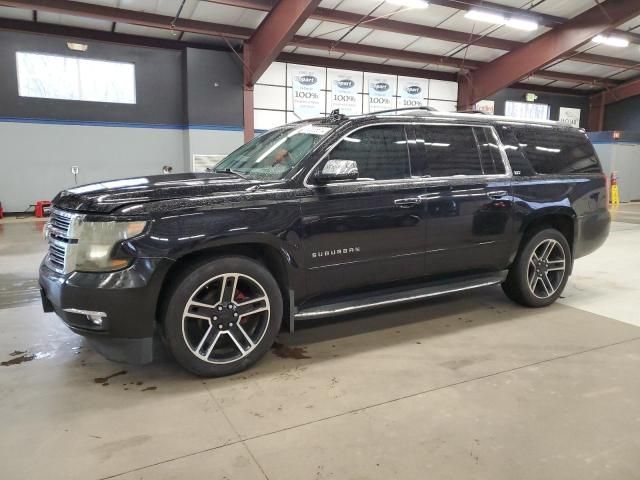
[[211, 280], [527, 269]]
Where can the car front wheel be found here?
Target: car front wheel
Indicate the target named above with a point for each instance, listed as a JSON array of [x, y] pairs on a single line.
[[223, 316]]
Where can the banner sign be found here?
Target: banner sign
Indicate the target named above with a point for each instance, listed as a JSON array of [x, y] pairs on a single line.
[[486, 106], [381, 94], [411, 92], [570, 115], [308, 100], [344, 94]]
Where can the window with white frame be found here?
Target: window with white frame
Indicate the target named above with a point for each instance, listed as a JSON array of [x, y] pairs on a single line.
[[530, 111], [72, 78]]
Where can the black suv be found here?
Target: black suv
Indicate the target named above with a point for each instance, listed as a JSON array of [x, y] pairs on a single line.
[[320, 218]]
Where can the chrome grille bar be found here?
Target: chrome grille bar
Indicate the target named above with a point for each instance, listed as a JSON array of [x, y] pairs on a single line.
[[58, 233]]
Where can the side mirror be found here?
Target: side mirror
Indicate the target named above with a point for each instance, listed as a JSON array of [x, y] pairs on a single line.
[[337, 171]]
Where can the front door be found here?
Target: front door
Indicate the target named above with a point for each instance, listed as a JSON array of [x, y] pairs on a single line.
[[469, 200], [368, 231]]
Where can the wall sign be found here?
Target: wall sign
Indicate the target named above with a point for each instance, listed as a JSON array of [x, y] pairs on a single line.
[[486, 106], [381, 94], [307, 95], [411, 92], [344, 94], [570, 115]]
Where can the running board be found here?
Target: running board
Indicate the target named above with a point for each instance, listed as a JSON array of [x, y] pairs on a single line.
[[385, 298]]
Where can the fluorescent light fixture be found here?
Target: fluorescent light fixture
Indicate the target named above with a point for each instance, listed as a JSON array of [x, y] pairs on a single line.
[[485, 16], [522, 24], [410, 3], [78, 47], [611, 41], [499, 19]]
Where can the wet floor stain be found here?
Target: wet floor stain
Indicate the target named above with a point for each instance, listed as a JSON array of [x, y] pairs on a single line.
[[149, 389], [17, 290], [286, 351], [19, 358], [106, 379]]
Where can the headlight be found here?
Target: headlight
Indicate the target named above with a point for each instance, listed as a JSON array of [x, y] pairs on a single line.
[[96, 241]]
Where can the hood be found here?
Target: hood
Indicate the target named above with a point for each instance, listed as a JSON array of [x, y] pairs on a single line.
[[105, 197]]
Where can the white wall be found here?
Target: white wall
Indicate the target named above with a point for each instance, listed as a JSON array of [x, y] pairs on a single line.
[[273, 94], [623, 159], [36, 158]]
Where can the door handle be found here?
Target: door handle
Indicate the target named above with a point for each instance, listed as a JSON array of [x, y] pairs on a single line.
[[407, 202], [497, 194]]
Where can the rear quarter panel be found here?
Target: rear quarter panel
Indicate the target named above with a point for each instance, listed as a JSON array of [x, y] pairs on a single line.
[[581, 197]]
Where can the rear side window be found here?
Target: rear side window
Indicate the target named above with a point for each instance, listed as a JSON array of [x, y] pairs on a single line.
[[552, 150], [449, 150], [381, 152]]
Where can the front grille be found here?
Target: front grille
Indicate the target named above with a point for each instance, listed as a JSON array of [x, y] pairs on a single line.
[[60, 221], [58, 233]]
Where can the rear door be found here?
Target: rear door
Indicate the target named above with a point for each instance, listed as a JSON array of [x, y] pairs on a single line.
[[469, 200]]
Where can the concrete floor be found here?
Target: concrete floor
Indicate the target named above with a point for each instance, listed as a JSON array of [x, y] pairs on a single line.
[[471, 386]]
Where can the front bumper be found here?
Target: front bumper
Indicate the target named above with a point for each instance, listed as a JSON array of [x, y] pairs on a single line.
[[128, 298]]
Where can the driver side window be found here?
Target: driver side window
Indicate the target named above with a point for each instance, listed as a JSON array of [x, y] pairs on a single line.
[[381, 152]]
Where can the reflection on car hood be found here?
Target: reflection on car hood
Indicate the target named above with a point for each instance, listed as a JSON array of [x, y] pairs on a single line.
[[105, 197]]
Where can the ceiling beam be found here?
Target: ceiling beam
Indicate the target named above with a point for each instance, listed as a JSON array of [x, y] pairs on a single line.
[[380, 68], [425, 58], [276, 30], [98, 35], [543, 50], [132, 17], [382, 52], [628, 89], [406, 28]]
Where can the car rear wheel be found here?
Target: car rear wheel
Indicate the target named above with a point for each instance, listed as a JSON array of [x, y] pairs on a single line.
[[223, 316], [541, 269]]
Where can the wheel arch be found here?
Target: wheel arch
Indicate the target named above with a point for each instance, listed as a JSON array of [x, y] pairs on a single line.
[[274, 259], [563, 220]]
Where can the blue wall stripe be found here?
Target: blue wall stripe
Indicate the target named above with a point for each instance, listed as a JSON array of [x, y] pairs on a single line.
[[46, 121]]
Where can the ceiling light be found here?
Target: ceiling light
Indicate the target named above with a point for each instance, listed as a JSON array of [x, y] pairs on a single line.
[[410, 3], [499, 19], [78, 47], [611, 41], [485, 16], [522, 24]]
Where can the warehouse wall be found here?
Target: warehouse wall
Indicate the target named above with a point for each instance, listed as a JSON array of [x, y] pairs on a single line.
[[178, 112], [623, 115], [555, 101]]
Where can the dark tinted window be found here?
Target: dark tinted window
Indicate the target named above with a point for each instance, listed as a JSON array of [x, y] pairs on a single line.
[[490, 157], [381, 152], [449, 150], [553, 150], [519, 164]]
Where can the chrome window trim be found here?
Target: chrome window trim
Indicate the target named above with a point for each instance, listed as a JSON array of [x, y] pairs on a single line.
[[417, 180]]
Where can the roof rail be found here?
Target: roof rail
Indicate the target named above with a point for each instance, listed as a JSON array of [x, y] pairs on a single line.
[[406, 109]]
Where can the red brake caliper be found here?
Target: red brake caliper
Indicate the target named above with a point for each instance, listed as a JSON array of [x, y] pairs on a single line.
[[239, 298]]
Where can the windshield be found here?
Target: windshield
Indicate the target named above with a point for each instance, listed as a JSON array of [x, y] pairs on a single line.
[[275, 153]]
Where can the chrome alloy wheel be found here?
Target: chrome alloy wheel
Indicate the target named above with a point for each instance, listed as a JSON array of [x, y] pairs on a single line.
[[226, 318], [547, 266]]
